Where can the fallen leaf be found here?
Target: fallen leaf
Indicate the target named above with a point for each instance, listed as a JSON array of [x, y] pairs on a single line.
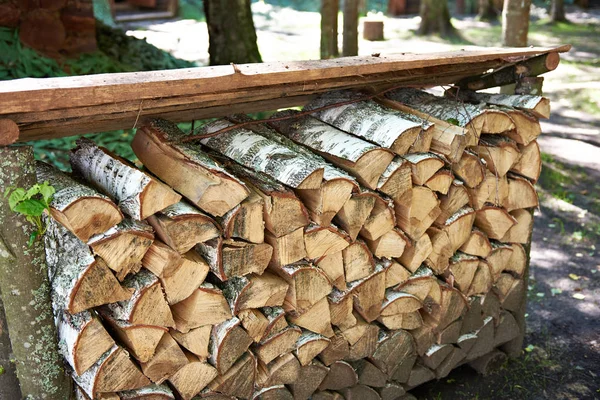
[[555, 291], [579, 296], [529, 348], [574, 277]]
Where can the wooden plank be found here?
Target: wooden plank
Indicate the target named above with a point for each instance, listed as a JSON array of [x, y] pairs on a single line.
[[70, 105]]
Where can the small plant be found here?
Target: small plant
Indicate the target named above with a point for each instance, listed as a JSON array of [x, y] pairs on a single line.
[[32, 203]]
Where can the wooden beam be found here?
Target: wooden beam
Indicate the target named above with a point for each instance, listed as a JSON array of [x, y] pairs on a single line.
[[58, 107]]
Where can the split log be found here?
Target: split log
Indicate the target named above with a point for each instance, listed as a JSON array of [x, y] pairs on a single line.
[[360, 392], [262, 154], [193, 377], [79, 281], [364, 341], [138, 194], [396, 181], [499, 258], [381, 220], [316, 319], [113, 372], [450, 334], [499, 152], [238, 381], [276, 321], [140, 340], [123, 246], [418, 251], [477, 244], [186, 168], [518, 260], [472, 320], [423, 166], [254, 322], [527, 126], [469, 169], [79, 208], [83, 339], [326, 395], [278, 392], [521, 231], [229, 341], [195, 340], [277, 344], [355, 211], [417, 216], [396, 274], [434, 356], [424, 338], [391, 391], [206, 306], [529, 164], [254, 291], [285, 369], [287, 249], [333, 266], [491, 303], [230, 258], [389, 245], [386, 127], [309, 345], [340, 308], [441, 249], [182, 226], [419, 283], [482, 280], [463, 268], [494, 221], [507, 329], [9, 130], [308, 381], [147, 305], [369, 293], [186, 278], [338, 349], [447, 139], [450, 362], [308, 285], [153, 392], [419, 375], [509, 290], [168, 359], [458, 227], [161, 259], [396, 302], [467, 341], [395, 352], [441, 181], [368, 374], [456, 198], [409, 321], [521, 194], [341, 375], [485, 340], [358, 261], [452, 305], [536, 105], [493, 189], [365, 161]]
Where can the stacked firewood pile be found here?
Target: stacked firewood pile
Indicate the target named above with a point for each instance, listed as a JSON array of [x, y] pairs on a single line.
[[356, 251]]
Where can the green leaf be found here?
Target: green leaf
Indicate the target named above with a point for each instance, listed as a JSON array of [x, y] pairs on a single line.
[[32, 191], [32, 238], [7, 191], [452, 121], [31, 207], [47, 192], [15, 197]]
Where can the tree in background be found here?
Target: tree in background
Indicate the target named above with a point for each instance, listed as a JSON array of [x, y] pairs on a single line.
[[329, 29], [487, 11], [350, 43], [515, 22], [435, 18], [557, 11], [232, 36]]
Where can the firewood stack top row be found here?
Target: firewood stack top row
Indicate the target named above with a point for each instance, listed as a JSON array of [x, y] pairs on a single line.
[[351, 251]]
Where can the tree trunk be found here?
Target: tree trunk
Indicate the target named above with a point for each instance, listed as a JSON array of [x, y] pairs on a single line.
[[329, 29], [487, 11], [435, 18], [232, 37], [9, 384], [350, 45], [26, 291], [515, 22], [557, 11]]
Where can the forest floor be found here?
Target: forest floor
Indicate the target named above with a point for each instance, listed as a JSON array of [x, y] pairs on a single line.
[[562, 348]]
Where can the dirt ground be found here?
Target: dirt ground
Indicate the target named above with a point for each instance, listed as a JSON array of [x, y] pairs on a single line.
[[561, 359]]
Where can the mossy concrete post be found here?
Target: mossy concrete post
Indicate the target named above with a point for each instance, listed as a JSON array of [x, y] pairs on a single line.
[[25, 290]]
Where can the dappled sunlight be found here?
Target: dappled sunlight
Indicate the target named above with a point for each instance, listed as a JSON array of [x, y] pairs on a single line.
[[573, 151]]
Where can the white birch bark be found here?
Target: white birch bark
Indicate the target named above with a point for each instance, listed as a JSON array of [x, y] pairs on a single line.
[[122, 182], [182, 209], [137, 283], [537, 105], [161, 391], [69, 327], [87, 380], [141, 228], [68, 190], [218, 335], [365, 119], [260, 154]]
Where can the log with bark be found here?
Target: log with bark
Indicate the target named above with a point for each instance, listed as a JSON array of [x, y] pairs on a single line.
[[206, 306]]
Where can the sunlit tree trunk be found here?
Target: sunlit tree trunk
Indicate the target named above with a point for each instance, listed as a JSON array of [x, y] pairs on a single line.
[[232, 37], [557, 12], [329, 28], [487, 10], [515, 22], [350, 44], [435, 18]]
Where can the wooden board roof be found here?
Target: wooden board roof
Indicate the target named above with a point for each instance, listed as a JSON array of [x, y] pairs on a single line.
[[57, 107]]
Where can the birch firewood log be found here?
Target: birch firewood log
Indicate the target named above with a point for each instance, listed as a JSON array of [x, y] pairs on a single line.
[[309, 345], [138, 194], [499, 152], [456, 198], [362, 159], [79, 281], [245, 221], [529, 164], [308, 381], [193, 377], [355, 211], [186, 278], [316, 319], [396, 181], [182, 226], [206, 306], [254, 291], [238, 381], [423, 166], [441, 181], [79, 208], [167, 359], [366, 119], [123, 246], [186, 168], [152, 392], [229, 341], [381, 220], [537, 105], [196, 340]]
